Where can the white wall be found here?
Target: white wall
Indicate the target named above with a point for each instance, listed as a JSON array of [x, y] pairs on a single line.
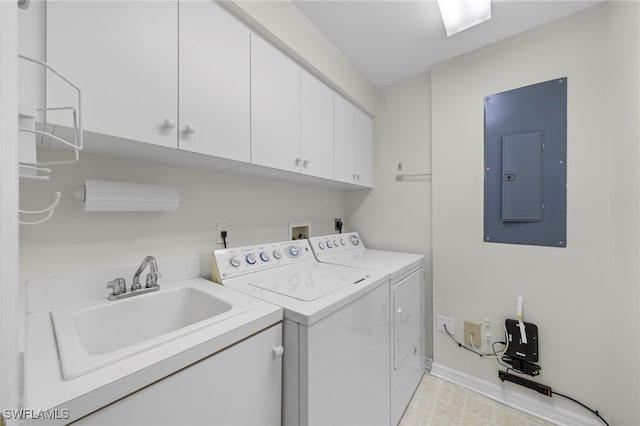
[[10, 379], [258, 210], [282, 23], [578, 296], [397, 215], [623, 128]]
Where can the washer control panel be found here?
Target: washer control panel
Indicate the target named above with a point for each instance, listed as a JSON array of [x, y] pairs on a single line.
[[336, 243], [232, 262]]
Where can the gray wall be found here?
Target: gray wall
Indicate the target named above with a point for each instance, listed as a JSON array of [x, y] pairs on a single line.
[[397, 215], [584, 298]]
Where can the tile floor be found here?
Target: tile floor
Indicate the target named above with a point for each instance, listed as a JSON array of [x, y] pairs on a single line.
[[438, 402]]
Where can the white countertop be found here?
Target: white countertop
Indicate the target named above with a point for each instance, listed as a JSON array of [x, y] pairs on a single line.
[[45, 388]]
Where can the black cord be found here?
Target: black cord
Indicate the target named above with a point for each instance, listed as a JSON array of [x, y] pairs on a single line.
[[580, 403], [223, 234]]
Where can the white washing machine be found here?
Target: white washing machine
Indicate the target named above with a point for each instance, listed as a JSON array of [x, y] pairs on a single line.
[[405, 272], [336, 330]]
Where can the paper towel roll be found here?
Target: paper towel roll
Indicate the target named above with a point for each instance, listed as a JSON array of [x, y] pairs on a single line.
[[108, 196]]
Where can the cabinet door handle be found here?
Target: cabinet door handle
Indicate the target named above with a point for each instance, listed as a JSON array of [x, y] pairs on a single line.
[[298, 161], [169, 124], [189, 129], [305, 163], [278, 351]]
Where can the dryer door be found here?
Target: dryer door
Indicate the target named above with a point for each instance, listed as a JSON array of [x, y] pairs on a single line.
[[407, 318]]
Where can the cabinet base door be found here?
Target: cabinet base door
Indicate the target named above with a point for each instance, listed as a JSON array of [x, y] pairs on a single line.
[[240, 385]]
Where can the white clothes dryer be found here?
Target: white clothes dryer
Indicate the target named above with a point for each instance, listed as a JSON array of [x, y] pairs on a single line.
[[336, 330], [405, 272]]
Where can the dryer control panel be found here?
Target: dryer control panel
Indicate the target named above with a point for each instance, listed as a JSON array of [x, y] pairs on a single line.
[[337, 243], [232, 262]]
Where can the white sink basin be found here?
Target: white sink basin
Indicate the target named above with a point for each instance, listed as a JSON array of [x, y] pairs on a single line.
[[93, 334]]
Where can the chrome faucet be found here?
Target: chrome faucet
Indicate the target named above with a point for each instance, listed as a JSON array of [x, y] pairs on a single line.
[[119, 285], [152, 276]]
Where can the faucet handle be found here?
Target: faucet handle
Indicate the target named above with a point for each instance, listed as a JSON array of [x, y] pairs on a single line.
[[152, 279], [117, 286]]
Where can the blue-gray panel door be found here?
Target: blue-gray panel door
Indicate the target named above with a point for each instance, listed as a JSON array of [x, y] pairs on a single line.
[[525, 130]]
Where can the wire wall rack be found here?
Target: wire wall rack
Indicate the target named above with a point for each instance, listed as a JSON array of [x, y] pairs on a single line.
[[39, 170]]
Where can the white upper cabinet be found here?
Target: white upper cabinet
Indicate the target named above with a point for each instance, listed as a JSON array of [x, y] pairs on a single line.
[[214, 82], [364, 149], [187, 75], [353, 144], [124, 57], [344, 140], [275, 108], [316, 145]]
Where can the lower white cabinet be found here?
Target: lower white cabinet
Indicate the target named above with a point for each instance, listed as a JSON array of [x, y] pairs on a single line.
[[240, 385]]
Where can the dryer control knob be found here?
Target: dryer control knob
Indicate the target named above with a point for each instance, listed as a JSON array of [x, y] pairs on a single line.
[[277, 255], [329, 244], [251, 259], [264, 256], [335, 243], [321, 245], [234, 262], [293, 251], [342, 242], [354, 240], [278, 351]]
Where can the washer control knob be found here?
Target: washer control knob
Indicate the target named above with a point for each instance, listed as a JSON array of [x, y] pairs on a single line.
[[294, 251], [264, 256], [354, 240], [234, 262], [342, 242], [335, 243], [321, 245], [329, 244], [251, 259], [277, 255]]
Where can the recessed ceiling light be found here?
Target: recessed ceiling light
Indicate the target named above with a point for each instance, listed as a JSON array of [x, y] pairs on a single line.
[[459, 15]]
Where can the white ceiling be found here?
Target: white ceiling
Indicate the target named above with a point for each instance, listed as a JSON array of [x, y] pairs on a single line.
[[389, 41]]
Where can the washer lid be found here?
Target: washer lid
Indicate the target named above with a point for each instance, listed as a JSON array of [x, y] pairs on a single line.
[[394, 263], [311, 284]]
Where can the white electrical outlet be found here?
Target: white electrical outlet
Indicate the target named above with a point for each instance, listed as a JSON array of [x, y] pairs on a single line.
[[222, 227], [487, 328], [442, 321]]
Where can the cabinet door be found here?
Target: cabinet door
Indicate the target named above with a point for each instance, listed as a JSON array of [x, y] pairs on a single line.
[[364, 149], [214, 82], [275, 108], [240, 385], [316, 111], [344, 140], [123, 56]]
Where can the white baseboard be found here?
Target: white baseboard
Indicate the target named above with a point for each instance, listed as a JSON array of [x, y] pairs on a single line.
[[428, 362], [502, 394]]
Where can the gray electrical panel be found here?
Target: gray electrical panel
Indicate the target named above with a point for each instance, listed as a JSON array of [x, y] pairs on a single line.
[[525, 149]]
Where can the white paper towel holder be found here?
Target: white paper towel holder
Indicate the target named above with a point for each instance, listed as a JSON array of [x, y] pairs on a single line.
[[111, 196]]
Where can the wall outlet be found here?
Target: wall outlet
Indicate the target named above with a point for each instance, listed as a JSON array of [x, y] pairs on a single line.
[[442, 321], [472, 332], [337, 227], [222, 227], [487, 329]]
